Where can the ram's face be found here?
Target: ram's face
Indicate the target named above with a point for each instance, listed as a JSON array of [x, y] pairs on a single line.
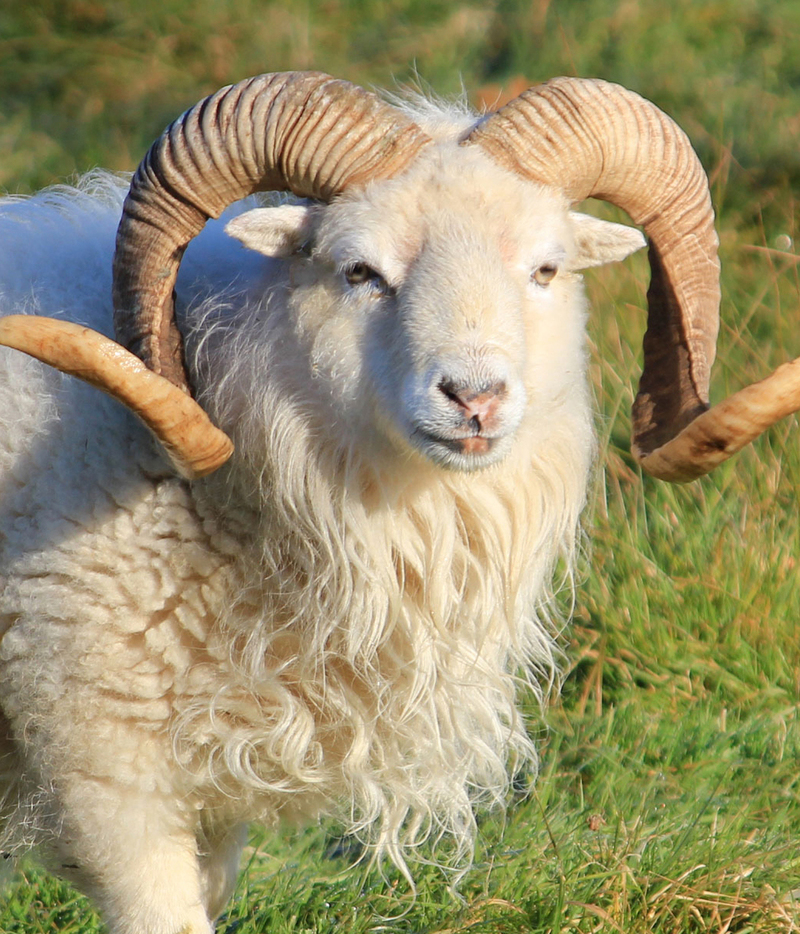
[[442, 307]]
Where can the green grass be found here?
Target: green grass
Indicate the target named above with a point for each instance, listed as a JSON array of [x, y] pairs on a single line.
[[669, 799]]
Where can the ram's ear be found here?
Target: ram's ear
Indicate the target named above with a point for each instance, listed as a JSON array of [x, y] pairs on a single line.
[[278, 232], [598, 242]]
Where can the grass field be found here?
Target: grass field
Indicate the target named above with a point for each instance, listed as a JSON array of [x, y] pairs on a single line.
[[669, 798]]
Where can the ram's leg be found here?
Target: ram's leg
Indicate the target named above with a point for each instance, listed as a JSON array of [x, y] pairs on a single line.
[[135, 855], [10, 773], [219, 866]]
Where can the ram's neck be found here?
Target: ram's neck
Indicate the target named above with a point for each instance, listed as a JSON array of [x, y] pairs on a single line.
[[347, 556]]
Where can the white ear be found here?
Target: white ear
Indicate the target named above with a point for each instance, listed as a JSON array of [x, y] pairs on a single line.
[[277, 232], [599, 242]]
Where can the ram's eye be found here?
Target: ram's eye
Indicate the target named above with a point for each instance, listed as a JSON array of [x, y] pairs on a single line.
[[360, 274], [545, 274]]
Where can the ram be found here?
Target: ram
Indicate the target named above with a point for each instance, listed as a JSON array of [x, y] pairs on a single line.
[[307, 578]]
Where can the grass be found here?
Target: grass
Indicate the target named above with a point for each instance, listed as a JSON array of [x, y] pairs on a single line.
[[669, 799]]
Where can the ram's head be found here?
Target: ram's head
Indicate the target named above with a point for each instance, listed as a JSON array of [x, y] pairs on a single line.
[[324, 139], [430, 317]]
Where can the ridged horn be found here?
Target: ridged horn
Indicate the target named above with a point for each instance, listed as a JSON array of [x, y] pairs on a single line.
[[194, 445], [303, 132], [593, 139]]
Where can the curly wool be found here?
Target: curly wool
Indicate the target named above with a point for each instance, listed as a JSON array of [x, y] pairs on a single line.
[[321, 627], [388, 615]]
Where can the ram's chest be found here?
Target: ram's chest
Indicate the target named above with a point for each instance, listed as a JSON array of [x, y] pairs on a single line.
[[106, 620], [362, 654]]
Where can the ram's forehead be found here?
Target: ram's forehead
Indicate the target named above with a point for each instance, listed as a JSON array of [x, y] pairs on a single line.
[[450, 188]]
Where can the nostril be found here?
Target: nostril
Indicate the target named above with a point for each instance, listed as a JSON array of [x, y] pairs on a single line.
[[465, 394], [450, 389], [478, 404]]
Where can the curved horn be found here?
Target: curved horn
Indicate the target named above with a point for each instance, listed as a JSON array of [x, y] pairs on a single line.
[[726, 428], [300, 131], [593, 139], [304, 132], [194, 445]]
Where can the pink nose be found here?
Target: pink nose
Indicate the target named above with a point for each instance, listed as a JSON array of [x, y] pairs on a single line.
[[479, 404]]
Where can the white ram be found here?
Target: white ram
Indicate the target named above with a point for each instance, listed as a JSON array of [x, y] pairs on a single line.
[[335, 620]]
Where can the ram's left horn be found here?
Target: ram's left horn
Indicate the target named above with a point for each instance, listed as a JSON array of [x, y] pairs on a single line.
[[195, 446], [621, 148]]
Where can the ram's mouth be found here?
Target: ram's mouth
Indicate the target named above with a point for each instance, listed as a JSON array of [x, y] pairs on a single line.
[[469, 452], [473, 444]]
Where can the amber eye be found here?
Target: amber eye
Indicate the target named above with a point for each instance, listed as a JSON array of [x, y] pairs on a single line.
[[545, 274], [360, 274]]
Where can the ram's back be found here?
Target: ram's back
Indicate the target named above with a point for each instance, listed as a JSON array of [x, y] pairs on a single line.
[[100, 543], [69, 456]]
